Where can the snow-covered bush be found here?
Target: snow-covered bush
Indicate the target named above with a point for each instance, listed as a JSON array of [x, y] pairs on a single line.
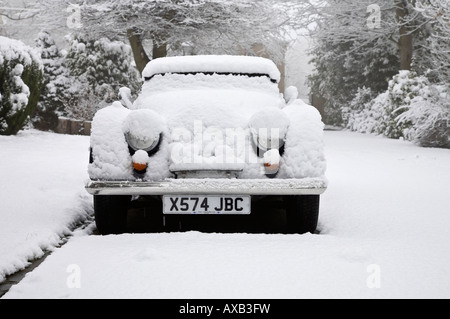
[[21, 73], [99, 68], [429, 114], [56, 94], [365, 113], [355, 115], [411, 108], [402, 89]]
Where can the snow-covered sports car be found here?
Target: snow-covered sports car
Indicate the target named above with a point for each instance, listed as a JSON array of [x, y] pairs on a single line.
[[207, 135]]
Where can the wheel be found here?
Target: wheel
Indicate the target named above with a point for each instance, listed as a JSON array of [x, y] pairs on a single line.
[[111, 213], [302, 213]]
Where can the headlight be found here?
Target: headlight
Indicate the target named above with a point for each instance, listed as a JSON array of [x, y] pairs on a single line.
[[143, 130], [265, 143], [141, 143], [269, 129]]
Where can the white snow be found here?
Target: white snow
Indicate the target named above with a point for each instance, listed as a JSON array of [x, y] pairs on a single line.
[[144, 124], [384, 232], [304, 150], [42, 194], [213, 63], [16, 50], [264, 122], [23, 56], [111, 147]]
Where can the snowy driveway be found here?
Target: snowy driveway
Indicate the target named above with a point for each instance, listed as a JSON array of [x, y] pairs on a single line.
[[384, 234]]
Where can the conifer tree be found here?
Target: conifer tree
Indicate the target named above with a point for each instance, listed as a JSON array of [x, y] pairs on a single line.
[[55, 92]]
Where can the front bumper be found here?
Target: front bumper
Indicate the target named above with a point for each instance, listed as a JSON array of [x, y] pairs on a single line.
[[306, 186]]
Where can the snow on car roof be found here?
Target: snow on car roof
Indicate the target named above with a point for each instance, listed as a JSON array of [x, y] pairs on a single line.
[[213, 64]]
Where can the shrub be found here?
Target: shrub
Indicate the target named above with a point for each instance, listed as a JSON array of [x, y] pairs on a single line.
[[358, 111], [21, 74], [402, 89], [411, 108], [429, 114]]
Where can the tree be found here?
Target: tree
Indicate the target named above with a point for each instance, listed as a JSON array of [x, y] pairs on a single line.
[[27, 11], [361, 44], [363, 22], [98, 69], [208, 26], [348, 55], [56, 85], [437, 45]]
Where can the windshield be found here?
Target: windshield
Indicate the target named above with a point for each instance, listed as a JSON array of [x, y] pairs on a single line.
[[216, 100]]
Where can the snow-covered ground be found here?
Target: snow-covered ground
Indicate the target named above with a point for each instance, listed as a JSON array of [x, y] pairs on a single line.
[[384, 232], [42, 194]]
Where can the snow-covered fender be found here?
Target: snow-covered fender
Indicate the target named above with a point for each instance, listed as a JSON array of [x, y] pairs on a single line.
[[304, 154], [111, 158]]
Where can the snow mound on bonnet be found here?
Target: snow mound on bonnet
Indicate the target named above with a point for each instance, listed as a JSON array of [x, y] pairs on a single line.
[[213, 63]]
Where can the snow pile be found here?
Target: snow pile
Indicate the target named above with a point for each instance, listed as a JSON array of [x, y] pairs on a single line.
[[213, 63]]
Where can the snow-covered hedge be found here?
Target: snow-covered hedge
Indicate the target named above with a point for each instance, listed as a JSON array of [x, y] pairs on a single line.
[[21, 73], [411, 108]]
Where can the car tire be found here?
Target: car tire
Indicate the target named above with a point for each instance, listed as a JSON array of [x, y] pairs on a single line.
[[111, 213], [302, 213]]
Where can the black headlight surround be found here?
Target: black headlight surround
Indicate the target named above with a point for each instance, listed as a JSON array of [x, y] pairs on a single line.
[[150, 152], [260, 150]]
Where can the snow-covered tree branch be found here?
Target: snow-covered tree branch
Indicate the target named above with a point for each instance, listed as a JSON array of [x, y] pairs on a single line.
[[437, 13], [205, 26]]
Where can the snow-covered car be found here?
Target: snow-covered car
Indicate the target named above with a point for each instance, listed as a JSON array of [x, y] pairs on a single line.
[[207, 135]]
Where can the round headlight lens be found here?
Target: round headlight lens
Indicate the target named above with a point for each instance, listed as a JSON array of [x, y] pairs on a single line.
[[141, 143], [266, 144]]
